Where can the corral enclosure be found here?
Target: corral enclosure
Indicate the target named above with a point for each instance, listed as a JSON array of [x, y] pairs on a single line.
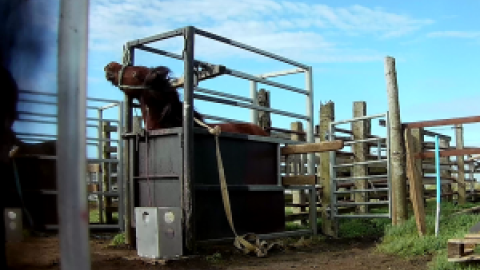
[[106, 161]]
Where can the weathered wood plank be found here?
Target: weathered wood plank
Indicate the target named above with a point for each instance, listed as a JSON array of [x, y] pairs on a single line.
[[299, 180], [449, 153], [443, 122], [312, 147], [416, 188]]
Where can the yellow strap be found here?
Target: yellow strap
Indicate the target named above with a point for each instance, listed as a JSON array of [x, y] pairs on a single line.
[[261, 248]]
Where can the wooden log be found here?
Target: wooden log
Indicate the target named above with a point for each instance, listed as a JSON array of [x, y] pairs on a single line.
[[449, 153], [327, 115], [416, 187], [360, 150], [461, 187], [443, 122], [398, 174], [93, 168], [299, 180], [264, 119], [312, 147], [418, 146]]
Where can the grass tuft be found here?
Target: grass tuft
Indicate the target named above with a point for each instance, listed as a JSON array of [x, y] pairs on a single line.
[[403, 240]]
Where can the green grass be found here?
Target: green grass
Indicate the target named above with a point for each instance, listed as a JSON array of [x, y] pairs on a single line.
[[351, 228], [403, 240], [95, 216]]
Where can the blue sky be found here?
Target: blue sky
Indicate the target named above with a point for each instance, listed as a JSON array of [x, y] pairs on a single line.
[[436, 46]]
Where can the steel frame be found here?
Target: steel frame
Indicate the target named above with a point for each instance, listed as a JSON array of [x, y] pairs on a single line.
[[188, 34], [51, 119], [334, 204]]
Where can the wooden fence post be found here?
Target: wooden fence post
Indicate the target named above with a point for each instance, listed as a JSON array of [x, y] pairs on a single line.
[[397, 147], [298, 196], [461, 188], [360, 151], [416, 183], [327, 115], [264, 120], [417, 145]]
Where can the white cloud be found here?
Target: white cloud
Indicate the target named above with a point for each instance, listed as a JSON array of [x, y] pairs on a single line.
[[290, 28], [455, 34]]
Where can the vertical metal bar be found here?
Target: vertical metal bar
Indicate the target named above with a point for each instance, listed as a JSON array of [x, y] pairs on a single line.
[[379, 147], [311, 157], [439, 187], [71, 144], [333, 183], [387, 152], [109, 176], [120, 175], [131, 185], [128, 166], [279, 166], [253, 96], [102, 173], [188, 147]]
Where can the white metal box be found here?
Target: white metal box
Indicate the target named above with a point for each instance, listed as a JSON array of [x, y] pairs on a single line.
[[159, 232], [13, 224]]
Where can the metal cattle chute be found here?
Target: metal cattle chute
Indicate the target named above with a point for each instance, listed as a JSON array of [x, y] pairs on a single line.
[[183, 172]]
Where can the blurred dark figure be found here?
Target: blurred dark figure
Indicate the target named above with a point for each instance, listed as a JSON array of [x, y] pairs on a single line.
[[17, 38]]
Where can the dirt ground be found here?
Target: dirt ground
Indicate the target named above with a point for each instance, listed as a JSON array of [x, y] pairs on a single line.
[[43, 253]]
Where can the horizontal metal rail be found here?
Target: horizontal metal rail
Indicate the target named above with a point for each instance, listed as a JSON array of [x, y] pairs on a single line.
[[361, 203], [51, 103], [359, 119], [217, 118], [39, 93], [249, 106], [281, 73], [361, 163], [56, 116], [361, 190], [361, 177], [364, 216], [249, 48], [247, 76], [228, 71], [51, 122], [363, 141], [168, 54], [221, 94], [154, 38]]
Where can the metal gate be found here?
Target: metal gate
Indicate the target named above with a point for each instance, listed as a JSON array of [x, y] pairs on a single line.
[[37, 123], [375, 191]]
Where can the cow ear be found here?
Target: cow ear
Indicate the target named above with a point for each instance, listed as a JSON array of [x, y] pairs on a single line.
[[157, 75]]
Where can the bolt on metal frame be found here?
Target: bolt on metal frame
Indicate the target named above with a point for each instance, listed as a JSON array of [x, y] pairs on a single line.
[[35, 117], [334, 180], [188, 34]]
